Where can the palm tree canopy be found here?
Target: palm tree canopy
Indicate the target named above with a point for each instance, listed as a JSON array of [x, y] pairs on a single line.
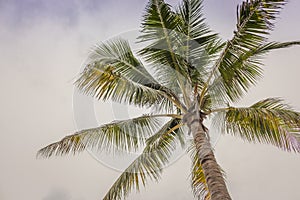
[[183, 62]]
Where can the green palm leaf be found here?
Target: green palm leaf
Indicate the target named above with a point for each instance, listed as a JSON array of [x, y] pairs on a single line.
[[195, 37], [117, 52], [114, 73], [194, 26], [128, 135], [244, 71], [268, 121], [255, 20], [163, 46], [150, 163]]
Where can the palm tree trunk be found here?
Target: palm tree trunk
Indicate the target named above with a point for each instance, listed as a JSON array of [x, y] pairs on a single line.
[[212, 171]]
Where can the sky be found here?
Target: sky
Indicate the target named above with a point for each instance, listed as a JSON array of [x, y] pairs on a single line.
[[43, 46]]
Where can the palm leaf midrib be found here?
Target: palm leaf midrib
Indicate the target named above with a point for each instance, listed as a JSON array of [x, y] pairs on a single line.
[[229, 44], [175, 63]]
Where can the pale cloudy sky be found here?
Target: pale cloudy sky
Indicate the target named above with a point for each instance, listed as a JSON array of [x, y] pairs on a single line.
[[43, 44]]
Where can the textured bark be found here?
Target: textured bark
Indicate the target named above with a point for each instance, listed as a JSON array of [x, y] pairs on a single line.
[[212, 171]]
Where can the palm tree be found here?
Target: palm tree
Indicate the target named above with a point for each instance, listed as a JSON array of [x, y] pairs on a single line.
[[190, 75]]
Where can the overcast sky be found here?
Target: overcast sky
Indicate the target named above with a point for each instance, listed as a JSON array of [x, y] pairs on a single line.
[[42, 46]]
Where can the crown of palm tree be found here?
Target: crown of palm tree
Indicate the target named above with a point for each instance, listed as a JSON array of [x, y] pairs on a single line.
[[192, 71]]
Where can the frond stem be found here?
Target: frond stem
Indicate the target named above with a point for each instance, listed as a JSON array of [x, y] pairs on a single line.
[[167, 115], [206, 84], [174, 128], [218, 110]]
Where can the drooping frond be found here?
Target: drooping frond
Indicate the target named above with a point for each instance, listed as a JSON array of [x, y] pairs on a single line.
[[127, 135], [255, 20], [268, 121], [198, 181], [149, 164], [114, 73]]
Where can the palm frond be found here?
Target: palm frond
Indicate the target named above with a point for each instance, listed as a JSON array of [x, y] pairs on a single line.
[[255, 20], [159, 30], [127, 135], [194, 26], [117, 53], [114, 73], [245, 69], [268, 121], [195, 36], [149, 164]]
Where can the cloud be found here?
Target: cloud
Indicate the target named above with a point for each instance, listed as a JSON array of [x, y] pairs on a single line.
[[21, 13], [59, 194]]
